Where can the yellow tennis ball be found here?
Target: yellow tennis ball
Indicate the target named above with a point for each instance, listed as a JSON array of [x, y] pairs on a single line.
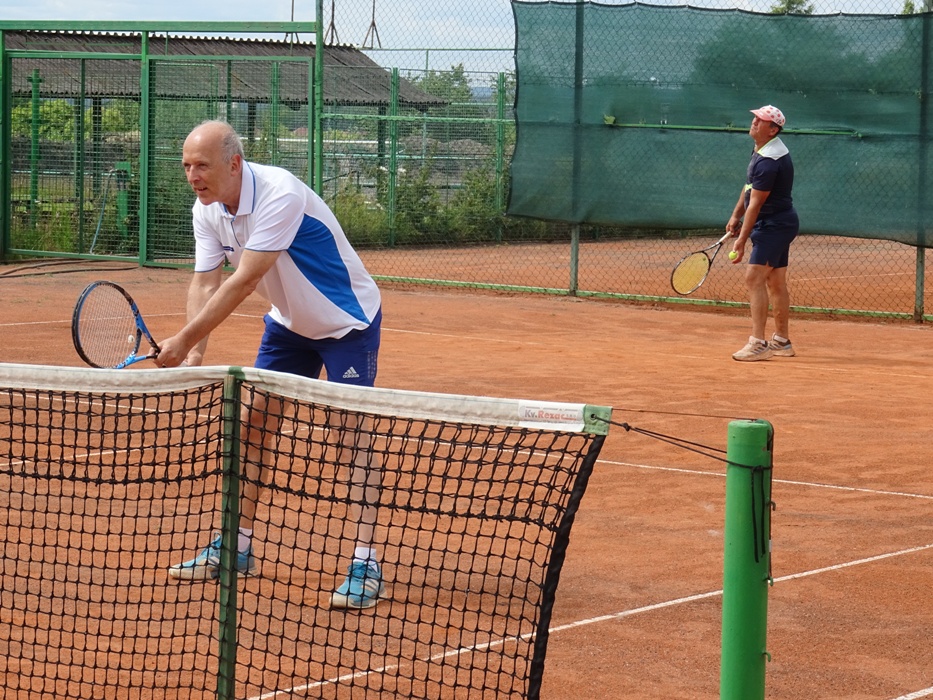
[[733, 255]]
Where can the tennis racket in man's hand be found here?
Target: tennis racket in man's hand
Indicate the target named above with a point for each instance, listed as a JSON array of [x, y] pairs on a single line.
[[692, 270], [108, 329]]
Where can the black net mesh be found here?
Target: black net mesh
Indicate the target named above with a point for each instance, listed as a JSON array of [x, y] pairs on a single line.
[[101, 492]]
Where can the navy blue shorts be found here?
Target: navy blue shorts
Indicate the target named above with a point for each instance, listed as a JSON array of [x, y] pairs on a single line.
[[351, 359], [771, 239]]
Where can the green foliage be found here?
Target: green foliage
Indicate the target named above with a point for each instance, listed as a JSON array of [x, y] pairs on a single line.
[[446, 194], [363, 221], [474, 214], [120, 116], [419, 217], [912, 8], [792, 7], [451, 85], [57, 118]]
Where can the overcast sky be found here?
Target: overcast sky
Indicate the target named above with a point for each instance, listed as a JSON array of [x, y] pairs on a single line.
[[424, 25], [420, 24]]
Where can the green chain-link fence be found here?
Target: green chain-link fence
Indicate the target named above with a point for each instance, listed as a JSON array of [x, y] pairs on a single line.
[[418, 141]]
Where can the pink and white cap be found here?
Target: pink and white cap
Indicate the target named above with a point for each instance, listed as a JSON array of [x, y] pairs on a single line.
[[769, 113]]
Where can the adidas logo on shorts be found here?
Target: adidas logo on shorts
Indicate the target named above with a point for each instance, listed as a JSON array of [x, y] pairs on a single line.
[[351, 374]]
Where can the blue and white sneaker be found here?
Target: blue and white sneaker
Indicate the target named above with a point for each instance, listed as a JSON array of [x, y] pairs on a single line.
[[361, 589], [206, 566]]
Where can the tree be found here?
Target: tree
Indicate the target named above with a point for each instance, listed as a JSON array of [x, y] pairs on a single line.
[[793, 7], [56, 120], [452, 85], [912, 8]]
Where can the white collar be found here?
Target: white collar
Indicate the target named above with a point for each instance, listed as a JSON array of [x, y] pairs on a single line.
[[247, 193], [774, 149]]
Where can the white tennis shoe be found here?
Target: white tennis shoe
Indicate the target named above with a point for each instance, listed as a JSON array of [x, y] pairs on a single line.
[[781, 348], [755, 349]]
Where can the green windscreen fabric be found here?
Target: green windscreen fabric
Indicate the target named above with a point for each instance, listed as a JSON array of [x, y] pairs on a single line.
[[638, 115]]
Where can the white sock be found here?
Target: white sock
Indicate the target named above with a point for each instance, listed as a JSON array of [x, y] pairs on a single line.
[[367, 554], [243, 539], [753, 339], [780, 339]]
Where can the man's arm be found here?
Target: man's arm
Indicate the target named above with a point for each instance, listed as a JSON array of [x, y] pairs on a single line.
[[755, 201], [202, 288], [734, 224], [210, 302]]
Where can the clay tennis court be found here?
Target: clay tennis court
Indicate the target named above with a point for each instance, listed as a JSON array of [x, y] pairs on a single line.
[[638, 612]]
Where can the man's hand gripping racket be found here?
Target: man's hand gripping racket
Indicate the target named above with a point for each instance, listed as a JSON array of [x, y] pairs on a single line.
[[107, 328], [692, 270]]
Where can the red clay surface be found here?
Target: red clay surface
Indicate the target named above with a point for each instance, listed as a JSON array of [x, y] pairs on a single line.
[[850, 614]]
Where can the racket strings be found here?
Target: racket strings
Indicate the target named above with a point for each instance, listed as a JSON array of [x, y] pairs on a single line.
[[107, 332], [690, 272]]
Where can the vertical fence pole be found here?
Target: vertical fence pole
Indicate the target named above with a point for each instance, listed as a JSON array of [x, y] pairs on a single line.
[[574, 259], [318, 99], [79, 153], [922, 156], [35, 81], [275, 116], [577, 149], [146, 172], [393, 155], [747, 561], [6, 206], [500, 152]]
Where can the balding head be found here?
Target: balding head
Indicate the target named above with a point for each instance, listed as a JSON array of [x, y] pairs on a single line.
[[213, 160], [221, 135]]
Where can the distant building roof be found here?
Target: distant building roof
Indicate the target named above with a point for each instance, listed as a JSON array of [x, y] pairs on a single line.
[[350, 77]]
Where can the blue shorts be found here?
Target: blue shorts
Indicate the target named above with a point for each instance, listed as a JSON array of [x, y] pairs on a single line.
[[351, 359], [771, 239]]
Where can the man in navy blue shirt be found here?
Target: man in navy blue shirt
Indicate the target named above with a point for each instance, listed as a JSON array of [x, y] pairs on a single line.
[[765, 215]]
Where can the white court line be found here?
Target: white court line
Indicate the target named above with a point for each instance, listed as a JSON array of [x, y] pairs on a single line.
[[596, 620], [857, 562], [68, 321], [656, 606], [722, 475], [852, 277], [459, 336], [918, 694], [33, 323]]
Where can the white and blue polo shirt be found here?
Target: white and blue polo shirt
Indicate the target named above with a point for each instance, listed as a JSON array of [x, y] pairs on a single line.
[[318, 287]]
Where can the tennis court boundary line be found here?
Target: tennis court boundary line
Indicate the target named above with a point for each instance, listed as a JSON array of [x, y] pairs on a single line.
[[596, 620], [814, 484], [914, 696]]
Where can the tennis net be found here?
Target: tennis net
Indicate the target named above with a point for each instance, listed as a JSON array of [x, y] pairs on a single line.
[[110, 477]]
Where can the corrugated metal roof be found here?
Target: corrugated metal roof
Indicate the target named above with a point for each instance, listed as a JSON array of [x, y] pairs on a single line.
[[351, 78]]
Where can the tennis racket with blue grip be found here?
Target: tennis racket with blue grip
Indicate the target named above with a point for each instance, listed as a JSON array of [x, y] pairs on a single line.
[[107, 328]]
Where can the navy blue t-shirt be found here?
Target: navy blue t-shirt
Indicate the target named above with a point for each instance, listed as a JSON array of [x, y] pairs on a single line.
[[771, 175]]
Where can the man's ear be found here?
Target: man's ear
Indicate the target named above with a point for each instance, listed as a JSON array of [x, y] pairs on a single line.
[[236, 164]]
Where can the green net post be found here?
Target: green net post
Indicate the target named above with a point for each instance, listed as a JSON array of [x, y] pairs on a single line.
[[747, 561], [230, 525]]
